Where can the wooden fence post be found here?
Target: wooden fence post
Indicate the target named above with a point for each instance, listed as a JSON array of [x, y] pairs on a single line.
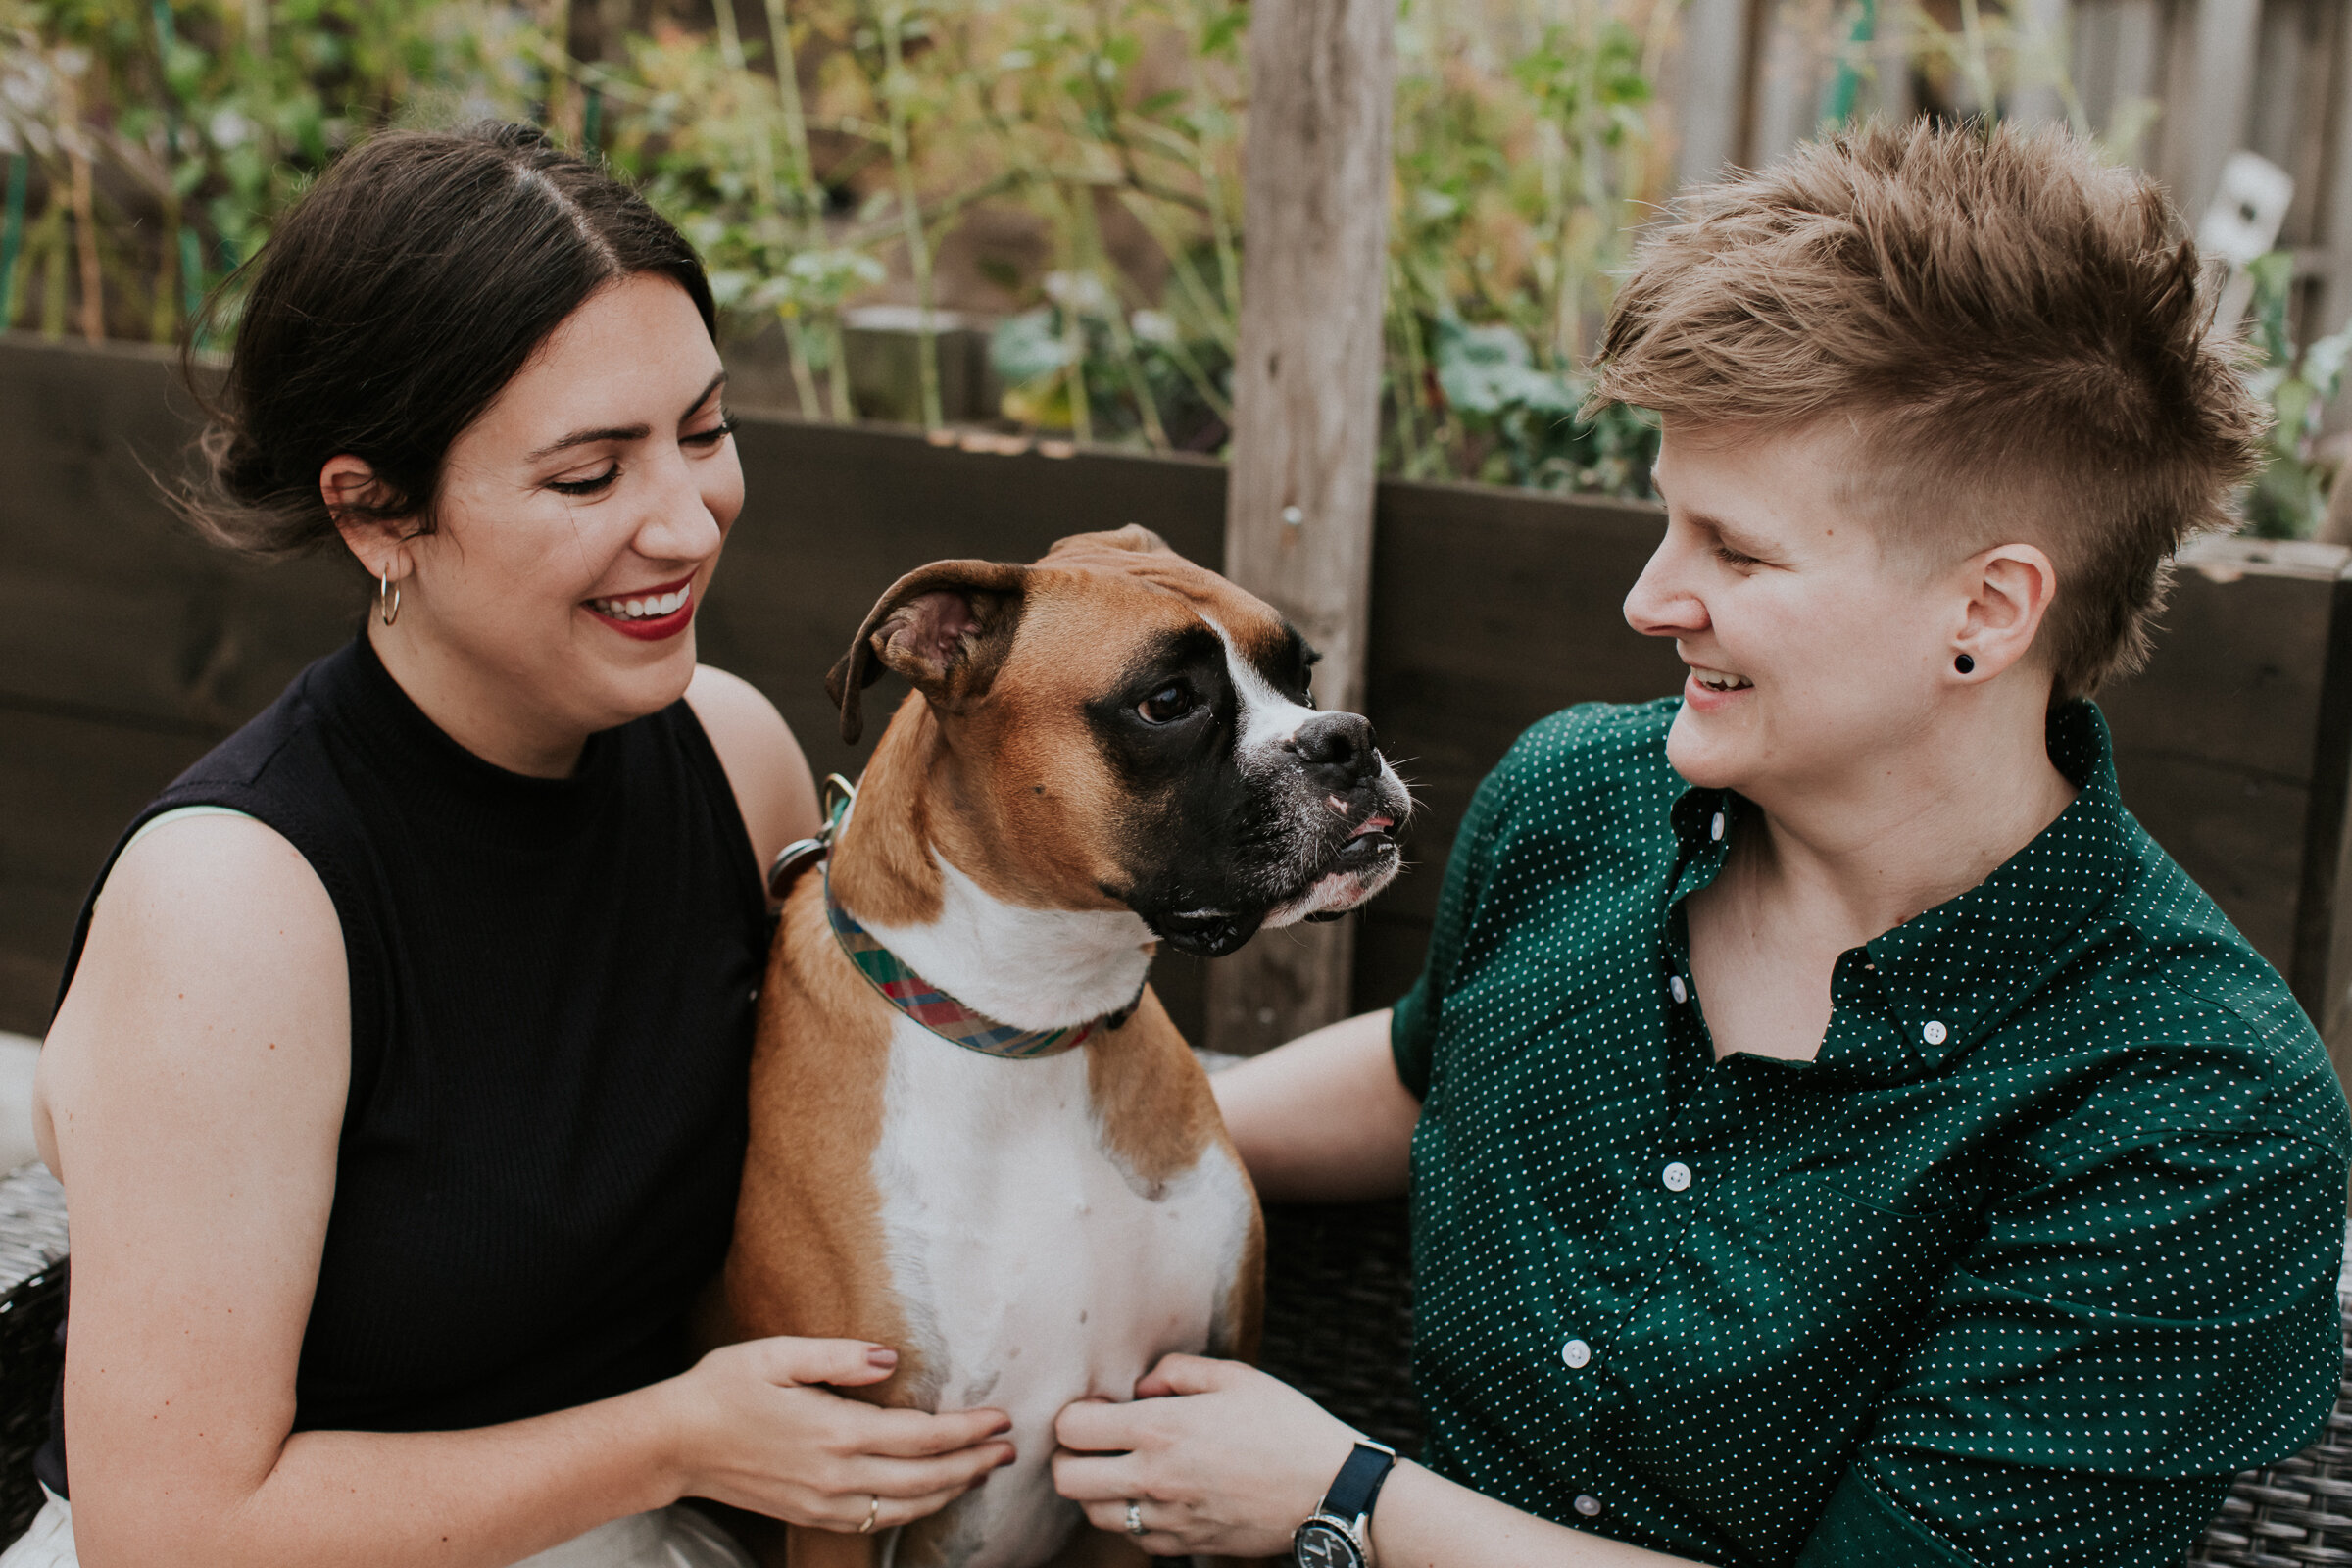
[[1711, 91], [2048, 28], [2211, 82], [2118, 65], [1306, 413], [2335, 305]]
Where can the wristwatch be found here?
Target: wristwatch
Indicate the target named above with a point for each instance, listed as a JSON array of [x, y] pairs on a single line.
[[1339, 1532]]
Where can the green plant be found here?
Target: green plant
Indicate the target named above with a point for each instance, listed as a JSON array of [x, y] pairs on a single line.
[[159, 139], [1132, 105], [1131, 375], [1515, 187], [835, 150], [722, 150], [164, 135], [2289, 499], [1522, 422]]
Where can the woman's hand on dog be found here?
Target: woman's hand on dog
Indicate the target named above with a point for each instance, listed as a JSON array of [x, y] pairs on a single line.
[[1217, 1456], [759, 1427]]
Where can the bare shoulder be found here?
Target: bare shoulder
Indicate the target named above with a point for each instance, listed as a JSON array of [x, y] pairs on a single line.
[[201, 906], [211, 889], [725, 700], [766, 768], [211, 932]]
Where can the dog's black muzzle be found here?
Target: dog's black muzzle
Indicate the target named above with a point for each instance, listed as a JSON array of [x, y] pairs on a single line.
[[1205, 934]]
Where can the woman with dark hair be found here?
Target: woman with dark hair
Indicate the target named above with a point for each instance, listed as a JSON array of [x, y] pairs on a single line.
[[397, 1081]]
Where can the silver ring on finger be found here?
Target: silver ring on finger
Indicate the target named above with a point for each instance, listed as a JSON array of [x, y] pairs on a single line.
[[1135, 1516], [873, 1511]]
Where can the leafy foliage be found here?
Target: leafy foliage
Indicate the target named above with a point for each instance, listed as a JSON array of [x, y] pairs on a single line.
[[2289, 499], [1525, 419], [806, 190], [149, 144], [1514, 194], [809, 189], [173, 133]]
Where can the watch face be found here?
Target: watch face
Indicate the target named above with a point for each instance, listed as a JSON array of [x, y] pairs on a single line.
[[1323, 1545]]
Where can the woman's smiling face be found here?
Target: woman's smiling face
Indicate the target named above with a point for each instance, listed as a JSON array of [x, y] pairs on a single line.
[[1811, 651], [576, 525]]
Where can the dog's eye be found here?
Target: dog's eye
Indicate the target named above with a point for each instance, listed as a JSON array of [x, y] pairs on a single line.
[[1165, 706]]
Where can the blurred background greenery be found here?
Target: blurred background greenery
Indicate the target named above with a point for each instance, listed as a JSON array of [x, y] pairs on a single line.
[[1023, 214]]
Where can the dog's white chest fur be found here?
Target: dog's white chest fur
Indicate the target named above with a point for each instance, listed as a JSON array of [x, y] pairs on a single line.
[[1032, 1267]]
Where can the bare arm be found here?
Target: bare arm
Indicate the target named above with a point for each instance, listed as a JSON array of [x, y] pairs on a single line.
[[193, 1090], [1324, 1119], [1426, 1521]]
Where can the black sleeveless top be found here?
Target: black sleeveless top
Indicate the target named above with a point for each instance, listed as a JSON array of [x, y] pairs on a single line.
[[552, 987]]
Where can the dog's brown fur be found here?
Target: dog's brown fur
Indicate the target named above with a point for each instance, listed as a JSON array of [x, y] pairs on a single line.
[[1031, 807]]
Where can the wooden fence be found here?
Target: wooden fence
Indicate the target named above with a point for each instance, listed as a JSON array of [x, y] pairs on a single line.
[[126, 648], [2173, 85]]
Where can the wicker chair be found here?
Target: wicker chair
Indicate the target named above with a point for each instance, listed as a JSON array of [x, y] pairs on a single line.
[[33, 1324], [1339, 1326]]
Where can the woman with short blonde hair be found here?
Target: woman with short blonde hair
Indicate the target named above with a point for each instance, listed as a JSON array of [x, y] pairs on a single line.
[[1836, 1133]]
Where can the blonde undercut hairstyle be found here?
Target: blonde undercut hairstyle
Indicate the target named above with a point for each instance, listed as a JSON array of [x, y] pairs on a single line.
[[2016, 328]]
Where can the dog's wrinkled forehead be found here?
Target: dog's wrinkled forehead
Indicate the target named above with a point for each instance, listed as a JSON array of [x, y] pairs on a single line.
[[1166, 592]]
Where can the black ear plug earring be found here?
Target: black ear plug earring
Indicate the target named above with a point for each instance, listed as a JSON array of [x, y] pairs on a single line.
[[1965, 665]]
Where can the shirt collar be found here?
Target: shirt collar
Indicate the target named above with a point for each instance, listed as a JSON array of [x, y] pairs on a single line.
[[1934, 985]]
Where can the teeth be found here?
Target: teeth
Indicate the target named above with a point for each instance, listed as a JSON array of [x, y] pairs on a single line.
[[642, 608], [1719, 680]]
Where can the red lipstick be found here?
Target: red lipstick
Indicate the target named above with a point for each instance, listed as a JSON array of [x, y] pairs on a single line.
[[648, 628]]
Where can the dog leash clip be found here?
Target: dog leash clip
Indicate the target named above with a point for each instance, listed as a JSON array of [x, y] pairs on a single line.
[[801, 853]]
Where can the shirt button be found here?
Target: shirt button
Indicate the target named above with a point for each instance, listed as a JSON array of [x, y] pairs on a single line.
[[1676, 1176], [1587, 1504], [1933, 1032], [1715, 828], [1576, 1352], [1679, 991]]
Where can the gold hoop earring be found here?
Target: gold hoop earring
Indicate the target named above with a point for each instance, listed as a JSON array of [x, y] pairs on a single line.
[[387, 597]]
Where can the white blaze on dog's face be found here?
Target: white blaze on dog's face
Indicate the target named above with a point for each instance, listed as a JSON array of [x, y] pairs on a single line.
[[1125, 729], [1316, 767]]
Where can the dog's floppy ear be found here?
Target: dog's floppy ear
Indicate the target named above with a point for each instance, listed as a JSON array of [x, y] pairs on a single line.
[[945, 627]]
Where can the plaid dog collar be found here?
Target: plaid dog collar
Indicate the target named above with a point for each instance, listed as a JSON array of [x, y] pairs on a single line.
[[918, 999]]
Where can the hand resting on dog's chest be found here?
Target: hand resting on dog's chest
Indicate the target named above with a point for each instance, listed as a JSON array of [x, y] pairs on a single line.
[[1034, 1266]]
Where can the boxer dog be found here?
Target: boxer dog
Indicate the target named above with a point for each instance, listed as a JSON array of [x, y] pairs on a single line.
[[975, 1135]]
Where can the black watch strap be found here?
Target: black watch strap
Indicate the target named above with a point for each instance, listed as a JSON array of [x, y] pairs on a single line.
[[1356, 1486]]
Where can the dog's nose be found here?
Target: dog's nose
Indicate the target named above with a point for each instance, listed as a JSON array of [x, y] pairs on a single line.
[[1336, 748]]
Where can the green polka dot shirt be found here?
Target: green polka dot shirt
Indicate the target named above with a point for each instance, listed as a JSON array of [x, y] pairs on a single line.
[[2038, 1252]]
